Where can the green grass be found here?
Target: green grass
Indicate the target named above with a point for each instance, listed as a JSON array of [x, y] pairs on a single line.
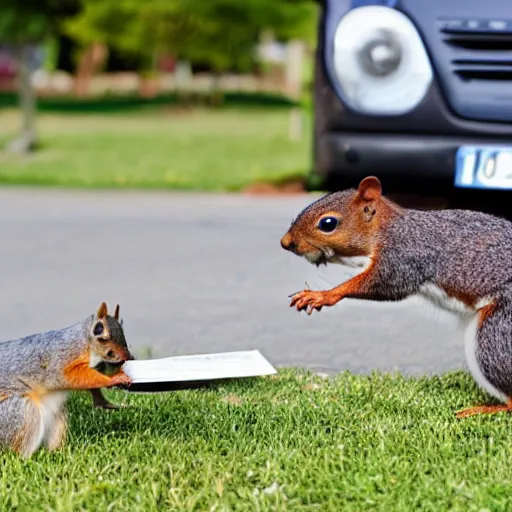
[[202, 149], [295, 442]]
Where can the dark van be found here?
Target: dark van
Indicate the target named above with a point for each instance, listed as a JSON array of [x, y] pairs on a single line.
[[417, 92]]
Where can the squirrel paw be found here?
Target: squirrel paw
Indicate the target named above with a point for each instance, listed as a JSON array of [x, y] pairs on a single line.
[[120, 379], [309, 301], [110, 406]]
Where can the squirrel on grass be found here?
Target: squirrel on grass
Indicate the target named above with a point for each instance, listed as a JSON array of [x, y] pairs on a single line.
[[460, 260], [36, 373]]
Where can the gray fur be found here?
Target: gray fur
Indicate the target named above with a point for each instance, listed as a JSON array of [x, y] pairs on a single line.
[[33, 384], [494, 345], [43, 355], [20, 421], [468, 254]]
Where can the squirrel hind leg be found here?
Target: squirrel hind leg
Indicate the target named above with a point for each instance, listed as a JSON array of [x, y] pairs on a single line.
[[56, 432], [21, 425], [99, 401], [488, 346], [485, 409]]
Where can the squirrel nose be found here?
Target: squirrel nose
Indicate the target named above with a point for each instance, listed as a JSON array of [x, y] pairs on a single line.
[[287, 242]]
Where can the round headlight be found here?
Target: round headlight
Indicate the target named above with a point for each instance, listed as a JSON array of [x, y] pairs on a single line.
[[382, 55], [380, 61]]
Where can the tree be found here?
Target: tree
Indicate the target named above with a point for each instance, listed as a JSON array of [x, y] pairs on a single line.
[[24, 24], [142, 29], [219, 33]]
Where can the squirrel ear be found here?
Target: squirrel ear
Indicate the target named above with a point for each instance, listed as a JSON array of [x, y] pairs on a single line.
[[116, 312], [102, 310], [370, 189]]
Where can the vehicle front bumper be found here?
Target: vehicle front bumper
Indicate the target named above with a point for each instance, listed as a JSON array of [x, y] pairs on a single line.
[[403, 162]]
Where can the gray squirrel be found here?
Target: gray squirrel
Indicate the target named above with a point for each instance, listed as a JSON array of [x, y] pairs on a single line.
[[460, 260], [38, 371]]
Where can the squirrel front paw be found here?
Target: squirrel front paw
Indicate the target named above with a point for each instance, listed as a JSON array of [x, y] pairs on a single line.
[[309, 300], [120, 379]]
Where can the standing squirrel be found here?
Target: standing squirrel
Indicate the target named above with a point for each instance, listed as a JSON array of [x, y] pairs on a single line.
[[37, 371], [460, 260]]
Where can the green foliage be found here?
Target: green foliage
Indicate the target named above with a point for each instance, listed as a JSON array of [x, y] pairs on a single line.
[[296, 442], [221, 33], [30, 21], [227, 34], [51, 50], [288, 19], [144, 29]]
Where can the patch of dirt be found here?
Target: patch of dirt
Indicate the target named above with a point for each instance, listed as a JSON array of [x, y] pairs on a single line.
[[232, 399], [285, 187], [312, 386], [178, 110]]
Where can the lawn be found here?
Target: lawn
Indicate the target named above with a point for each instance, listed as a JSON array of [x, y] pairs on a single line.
[[159, 147], [292, 442]]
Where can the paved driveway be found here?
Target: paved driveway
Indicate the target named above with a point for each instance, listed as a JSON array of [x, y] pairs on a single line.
[[197, 273]]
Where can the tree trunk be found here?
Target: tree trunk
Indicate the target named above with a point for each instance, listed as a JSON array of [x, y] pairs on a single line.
[[90, 63], [216, 95], [27, 139], [294, 64]]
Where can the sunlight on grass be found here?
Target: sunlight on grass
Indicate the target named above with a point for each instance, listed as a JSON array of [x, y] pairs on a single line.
[[296, 442], [171, 148]]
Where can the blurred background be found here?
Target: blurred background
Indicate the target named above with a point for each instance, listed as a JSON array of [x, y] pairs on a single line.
[[181, 94], [119, 118]]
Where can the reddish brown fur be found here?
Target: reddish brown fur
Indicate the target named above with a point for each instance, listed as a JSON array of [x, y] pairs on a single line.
[[485, 313], [316, 300], [468, 299], [79, 375], [363, 215], [102, 310], [35, 396], [19, 440], [485, 409]]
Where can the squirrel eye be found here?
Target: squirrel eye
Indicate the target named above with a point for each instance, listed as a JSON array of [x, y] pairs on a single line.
[[98, 329], [328, 224]]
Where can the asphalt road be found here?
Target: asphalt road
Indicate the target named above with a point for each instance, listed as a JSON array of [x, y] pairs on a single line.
[[198, 273]]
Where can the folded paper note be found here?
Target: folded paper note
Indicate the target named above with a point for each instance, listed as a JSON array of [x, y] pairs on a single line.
[[192, 371]]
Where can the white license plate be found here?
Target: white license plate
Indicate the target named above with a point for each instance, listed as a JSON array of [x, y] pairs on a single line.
[[484, 167]]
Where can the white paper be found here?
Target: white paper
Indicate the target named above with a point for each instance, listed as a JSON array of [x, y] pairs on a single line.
[[226, 365]]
